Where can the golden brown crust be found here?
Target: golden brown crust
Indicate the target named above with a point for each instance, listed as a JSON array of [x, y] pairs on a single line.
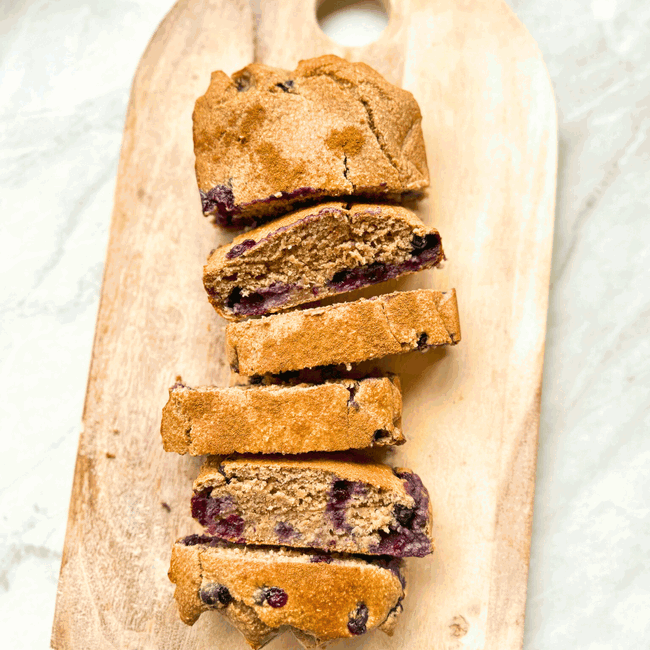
[[349, 467], [185, 572], [340, 415], [284, 264], [344, 333], [321, 597], [269, 138]]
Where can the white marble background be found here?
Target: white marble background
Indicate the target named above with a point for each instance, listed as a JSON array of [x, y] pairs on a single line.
[[65, 72]]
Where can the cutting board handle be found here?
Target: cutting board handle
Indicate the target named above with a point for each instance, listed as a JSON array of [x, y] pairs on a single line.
[[288, 31]]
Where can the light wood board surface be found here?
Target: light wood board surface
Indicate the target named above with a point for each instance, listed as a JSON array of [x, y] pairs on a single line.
[[471, 413]]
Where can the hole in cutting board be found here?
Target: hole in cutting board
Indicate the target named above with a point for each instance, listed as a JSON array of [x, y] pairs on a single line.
[[352, 22]]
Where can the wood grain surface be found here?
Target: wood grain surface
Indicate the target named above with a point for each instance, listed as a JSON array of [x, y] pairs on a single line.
[[470, 413]]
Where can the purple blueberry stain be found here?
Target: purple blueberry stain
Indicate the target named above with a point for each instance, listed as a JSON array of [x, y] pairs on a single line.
[[321, 558], [285, 532], [217, 516], [403, 514], [230, 527], [358, 620], [206, 540], [214, 595], [275, 596], [240, 249], [260, 301], [376, 272], [205, 508], [407, 536], [219, 199], [340, 493]]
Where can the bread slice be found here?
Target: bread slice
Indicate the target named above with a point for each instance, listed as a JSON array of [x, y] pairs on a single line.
[[333, 502], [333, 416], [344, 333], [260, 590], [317, 252], [268, 139]]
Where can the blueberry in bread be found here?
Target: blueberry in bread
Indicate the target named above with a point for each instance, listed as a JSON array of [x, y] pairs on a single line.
[[284, 419], [344, 333], [317, 252], [320, 597], [268, 139], [333, 502]]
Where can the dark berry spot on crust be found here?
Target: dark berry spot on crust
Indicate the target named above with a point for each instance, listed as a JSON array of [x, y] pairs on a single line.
[[380, 434], [287, 85], [214, 594], [275, 596], [243, 82], [422, 341], [324, 558], [358, 620], [240, 249]]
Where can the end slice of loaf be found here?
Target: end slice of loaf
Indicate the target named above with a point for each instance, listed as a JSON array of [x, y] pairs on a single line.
[[268, 139], [333, 416], [315, 253], [321, 597], [344, 333], [342, 503]]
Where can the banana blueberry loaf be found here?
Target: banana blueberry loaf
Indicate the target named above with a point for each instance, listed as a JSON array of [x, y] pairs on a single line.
[[344, 333], [326, 501], [267, 139], [317, 252], [333, 416], [260, 590]]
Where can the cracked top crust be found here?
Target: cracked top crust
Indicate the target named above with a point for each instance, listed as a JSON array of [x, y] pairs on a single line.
[[268, 138], [317, 252], [332, 416], [260, 590], [344, 333]]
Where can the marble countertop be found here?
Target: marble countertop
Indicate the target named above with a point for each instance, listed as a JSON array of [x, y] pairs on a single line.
[[65, 72]]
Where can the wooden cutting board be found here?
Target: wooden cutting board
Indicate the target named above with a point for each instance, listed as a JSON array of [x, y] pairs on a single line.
[[471, 413]]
